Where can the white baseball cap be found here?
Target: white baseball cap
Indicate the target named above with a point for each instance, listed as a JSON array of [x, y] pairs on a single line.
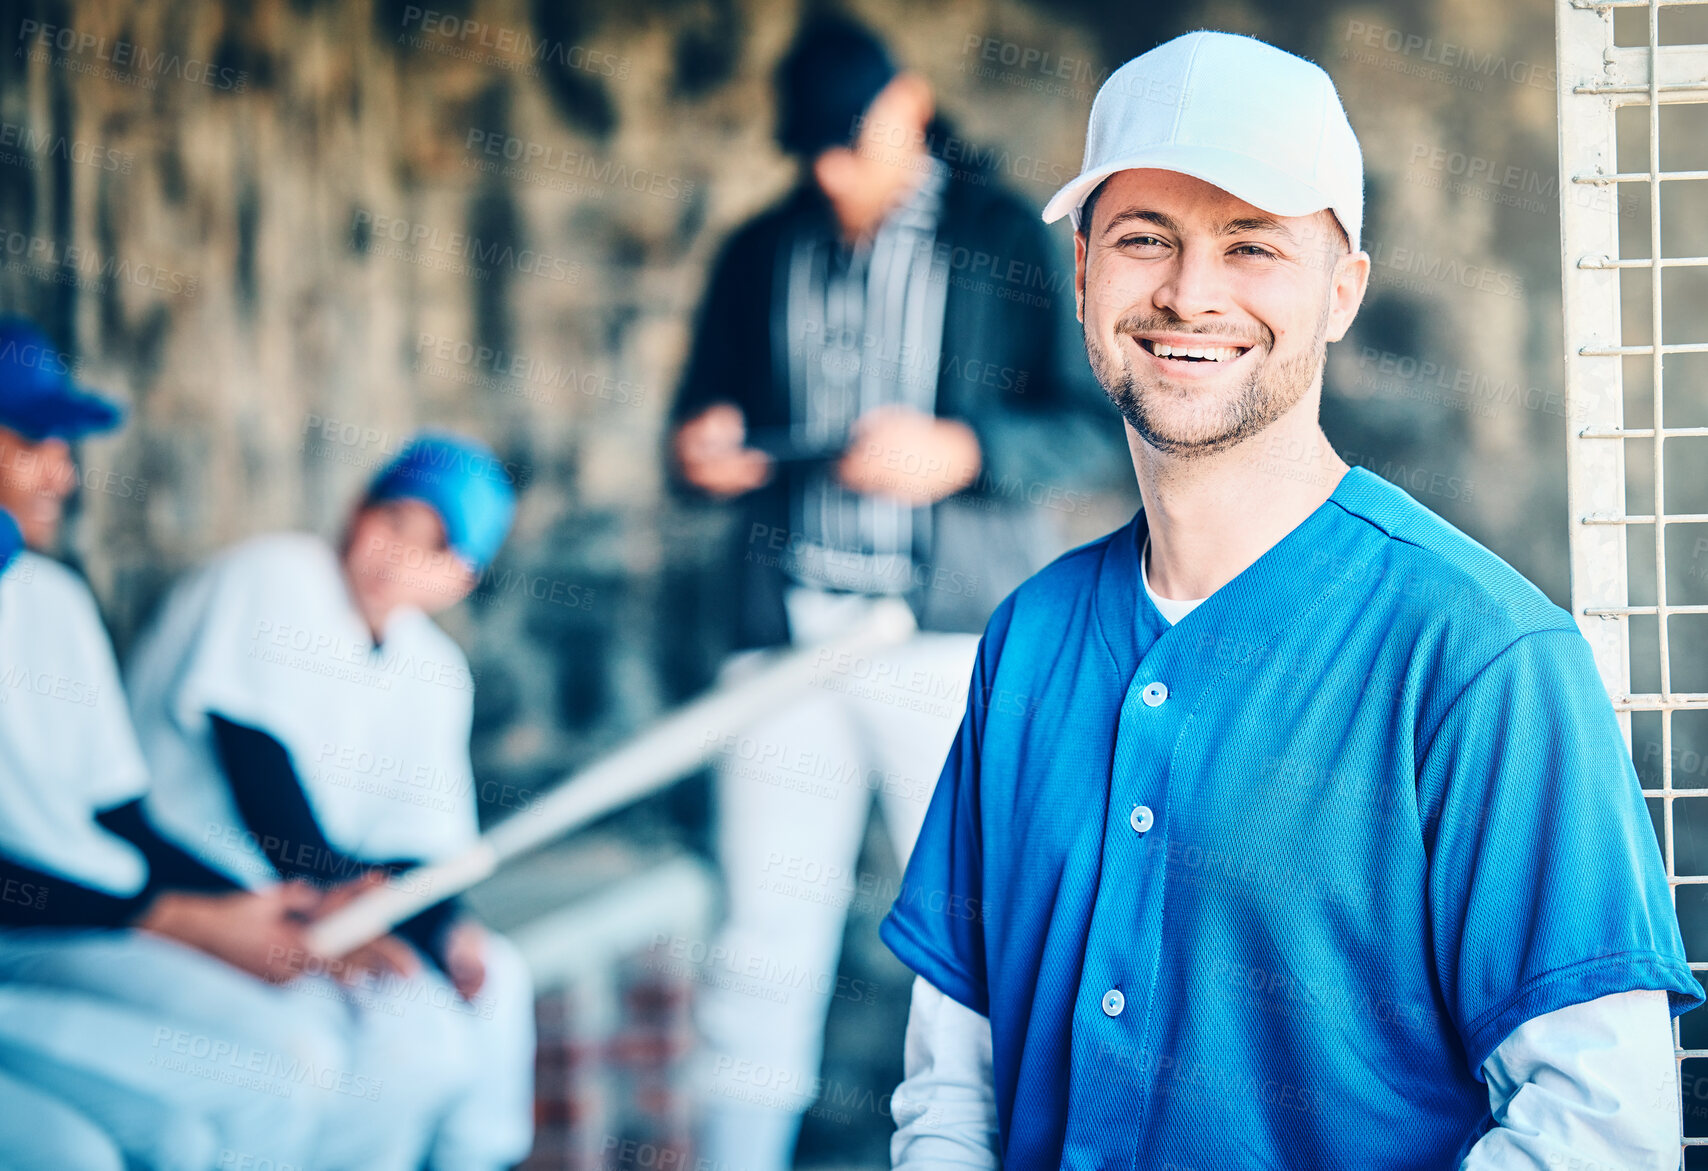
[[1252, 119]]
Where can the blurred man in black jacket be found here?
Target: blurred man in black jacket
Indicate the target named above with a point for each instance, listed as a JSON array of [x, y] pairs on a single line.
[[876, 375]]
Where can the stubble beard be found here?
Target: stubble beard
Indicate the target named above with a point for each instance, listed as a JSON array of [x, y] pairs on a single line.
[[1269, 391]]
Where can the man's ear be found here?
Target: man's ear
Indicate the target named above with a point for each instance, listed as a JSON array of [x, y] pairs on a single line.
[[1080, 249], [1346, 292]]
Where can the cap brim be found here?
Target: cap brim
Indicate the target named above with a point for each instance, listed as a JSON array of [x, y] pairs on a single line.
[[1244, 177], [79, 413], [68, 415]]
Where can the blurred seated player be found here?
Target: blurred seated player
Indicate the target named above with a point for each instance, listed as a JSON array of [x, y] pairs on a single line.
[[119, 953], [72, 1139], [307, 720]]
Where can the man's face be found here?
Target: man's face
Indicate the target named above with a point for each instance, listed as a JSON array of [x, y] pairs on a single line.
[[396, 556], [863, 181], [1172, 266], [35, 478]]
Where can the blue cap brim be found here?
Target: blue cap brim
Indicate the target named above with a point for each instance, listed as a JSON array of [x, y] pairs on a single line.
[[68, 416]]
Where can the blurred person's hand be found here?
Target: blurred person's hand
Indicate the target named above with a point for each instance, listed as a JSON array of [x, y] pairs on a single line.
[[904, 453], [711, 450], [265, 932], [465, 957], [387, 955]]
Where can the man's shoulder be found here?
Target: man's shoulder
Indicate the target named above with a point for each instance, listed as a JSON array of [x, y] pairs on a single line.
[[760, 233], [978, 198], [1046, 600], [1427, 559], [270, 551], [1074, 572], [49, 582], [268, 571], [49, 619]]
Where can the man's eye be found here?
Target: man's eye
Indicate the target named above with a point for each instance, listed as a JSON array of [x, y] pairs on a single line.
[[1139, 242], [1253, 250]]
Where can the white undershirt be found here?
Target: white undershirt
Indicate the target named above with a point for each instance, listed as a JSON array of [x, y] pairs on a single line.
[[1172, 609], [1588, 1085]]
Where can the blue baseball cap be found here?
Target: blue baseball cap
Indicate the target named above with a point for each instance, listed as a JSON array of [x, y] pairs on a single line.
[[464, 481], [11, 539], [38, 399]]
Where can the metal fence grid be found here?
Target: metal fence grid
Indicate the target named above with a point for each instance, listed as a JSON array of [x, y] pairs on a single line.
[[1609, 94]]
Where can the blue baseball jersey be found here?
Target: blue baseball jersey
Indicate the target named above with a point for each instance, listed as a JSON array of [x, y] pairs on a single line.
[[1266, 887], [11, 539]]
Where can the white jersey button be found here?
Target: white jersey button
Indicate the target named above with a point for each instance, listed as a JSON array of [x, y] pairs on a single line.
[[1113, 1002], [1155, 693], [1142, 818]]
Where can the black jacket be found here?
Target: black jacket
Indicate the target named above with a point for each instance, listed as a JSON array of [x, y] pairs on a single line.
[[1002, 372]]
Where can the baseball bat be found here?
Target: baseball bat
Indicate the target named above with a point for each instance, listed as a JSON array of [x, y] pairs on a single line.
[[661, 755]]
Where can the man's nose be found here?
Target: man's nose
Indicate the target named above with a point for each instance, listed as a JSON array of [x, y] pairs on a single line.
[[1196, 285]]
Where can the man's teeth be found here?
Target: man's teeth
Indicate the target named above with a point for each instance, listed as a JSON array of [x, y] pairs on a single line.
[[1209, 353]]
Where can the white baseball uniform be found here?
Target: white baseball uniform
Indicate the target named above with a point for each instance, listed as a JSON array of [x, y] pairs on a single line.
[[267, 636], [92, 1015]]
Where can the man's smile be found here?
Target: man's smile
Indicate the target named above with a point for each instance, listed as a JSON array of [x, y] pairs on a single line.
[[1192, 355]]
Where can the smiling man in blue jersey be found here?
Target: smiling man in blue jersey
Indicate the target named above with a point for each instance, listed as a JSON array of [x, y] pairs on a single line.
[[1287, 826]]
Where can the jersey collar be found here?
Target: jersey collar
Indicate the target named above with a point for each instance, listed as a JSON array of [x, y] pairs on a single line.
[[1265, 597]]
